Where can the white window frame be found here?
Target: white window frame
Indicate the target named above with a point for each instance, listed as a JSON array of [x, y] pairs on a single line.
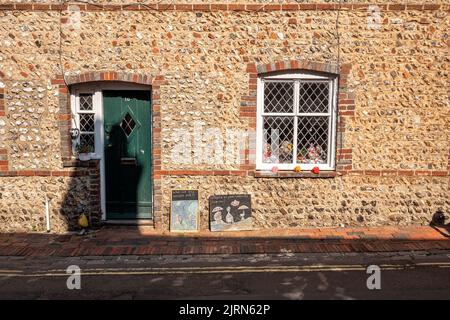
[[96, 106], [332, 113]]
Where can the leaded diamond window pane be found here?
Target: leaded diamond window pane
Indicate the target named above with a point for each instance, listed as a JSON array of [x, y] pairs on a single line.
[[279, 97], [87, 122], [87, 139], [312, 139], [128, 124], [278, 134], [314, 97], [86, 102]]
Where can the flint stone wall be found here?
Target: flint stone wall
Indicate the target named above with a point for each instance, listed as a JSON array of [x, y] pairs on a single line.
[[343, 201], [22, 202], [399, 77]]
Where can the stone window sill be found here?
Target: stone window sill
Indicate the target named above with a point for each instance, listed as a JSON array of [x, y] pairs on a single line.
[[291, 174]]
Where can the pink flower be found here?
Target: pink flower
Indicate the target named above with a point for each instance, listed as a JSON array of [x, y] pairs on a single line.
[[275, 169]]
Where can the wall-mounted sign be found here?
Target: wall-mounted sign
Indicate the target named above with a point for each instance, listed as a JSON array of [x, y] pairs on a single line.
[[184, 211], [230, 212]]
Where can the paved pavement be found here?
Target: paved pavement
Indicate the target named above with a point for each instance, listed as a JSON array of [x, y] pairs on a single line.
[[118, 241], [404, 275]]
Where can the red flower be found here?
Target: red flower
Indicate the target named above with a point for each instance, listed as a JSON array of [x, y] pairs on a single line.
[[315, 170]]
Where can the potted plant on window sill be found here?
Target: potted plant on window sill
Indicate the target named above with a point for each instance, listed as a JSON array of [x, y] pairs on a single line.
[[84, 152]]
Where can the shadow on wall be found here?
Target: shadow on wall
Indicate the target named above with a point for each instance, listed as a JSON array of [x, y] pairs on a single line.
[[438, 223], [123, 175], [76, 201]]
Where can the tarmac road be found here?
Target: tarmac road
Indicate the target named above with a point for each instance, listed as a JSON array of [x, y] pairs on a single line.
[[420, 275]]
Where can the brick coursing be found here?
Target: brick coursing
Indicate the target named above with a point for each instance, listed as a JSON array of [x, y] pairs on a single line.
[[3, 151], [186, 7], [3, 160], [44, 173]]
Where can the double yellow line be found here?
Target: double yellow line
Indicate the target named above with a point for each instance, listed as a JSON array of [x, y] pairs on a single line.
[[215, 270]]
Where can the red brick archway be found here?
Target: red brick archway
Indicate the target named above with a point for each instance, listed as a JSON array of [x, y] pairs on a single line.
[[64, 122], [111, 76]]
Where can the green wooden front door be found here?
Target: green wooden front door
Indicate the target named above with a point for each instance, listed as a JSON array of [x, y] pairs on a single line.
[[127, 125]]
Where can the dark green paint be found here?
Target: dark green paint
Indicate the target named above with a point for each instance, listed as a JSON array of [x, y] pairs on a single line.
[[128, 162]]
